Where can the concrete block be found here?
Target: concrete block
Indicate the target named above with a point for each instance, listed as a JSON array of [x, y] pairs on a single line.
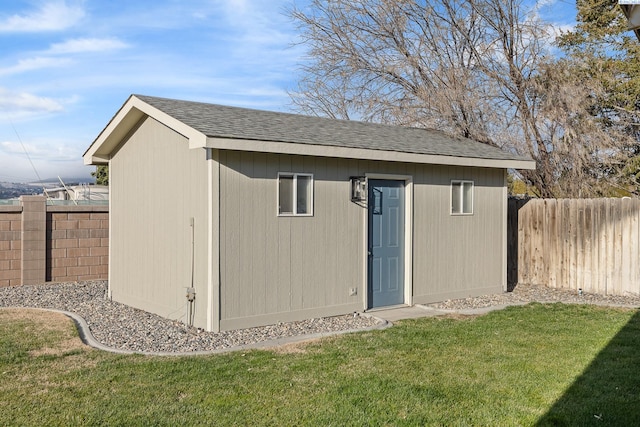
[[78, 252], [79, 216], [99, 233], [66, 225], [90, 261], [58, 272], [6, 236], [88, 243], [57, 253], [33, 245], [56, 216], [57, 234], [99, 251], [65, 243], [78, 271], [89, 224], [64, 262], [34, 265], [101, 270], [33, 277], [78, 234], [6, 255], [9, 274]]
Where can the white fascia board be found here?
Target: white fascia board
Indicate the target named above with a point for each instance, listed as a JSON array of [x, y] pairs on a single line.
[[361, 153], [125, 120]]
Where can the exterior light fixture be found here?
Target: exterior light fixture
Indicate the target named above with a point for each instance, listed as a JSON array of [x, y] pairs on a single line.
[[358, 189]]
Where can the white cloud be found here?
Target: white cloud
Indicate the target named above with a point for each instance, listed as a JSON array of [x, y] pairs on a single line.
[[17, 167], [35, 63], [50, 16], [12, 147], [47, 59], [544, 3], [21, 104], [50, 157], [86, 45], [49, 151]]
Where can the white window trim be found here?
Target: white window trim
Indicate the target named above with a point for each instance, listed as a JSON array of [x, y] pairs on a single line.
[[295, 176], [473, 196]]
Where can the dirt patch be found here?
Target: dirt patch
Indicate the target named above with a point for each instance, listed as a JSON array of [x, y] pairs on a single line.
[[459, 316], [299, 347], [48, 320], [43, 322]]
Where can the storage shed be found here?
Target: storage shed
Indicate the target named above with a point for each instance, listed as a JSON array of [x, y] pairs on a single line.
[[229, 218]]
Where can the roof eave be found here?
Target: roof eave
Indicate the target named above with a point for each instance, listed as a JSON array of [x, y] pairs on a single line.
[[632, 12], [128, 119], [363, 153]]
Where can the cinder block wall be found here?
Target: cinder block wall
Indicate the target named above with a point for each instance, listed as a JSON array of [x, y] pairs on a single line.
[[10, 245], [40, 243], [77, 245]]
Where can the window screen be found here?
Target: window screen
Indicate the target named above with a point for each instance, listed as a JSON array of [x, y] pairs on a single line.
[[295, 194], [462, 197]]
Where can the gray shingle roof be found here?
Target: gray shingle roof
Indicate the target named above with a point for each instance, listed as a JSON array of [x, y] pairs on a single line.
[[241, 123]]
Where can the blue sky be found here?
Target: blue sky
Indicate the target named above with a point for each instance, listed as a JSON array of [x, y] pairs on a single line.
[[66, 66]]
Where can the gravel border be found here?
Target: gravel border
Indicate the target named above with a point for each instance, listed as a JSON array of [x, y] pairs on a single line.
[[523, 294], [115, 327]]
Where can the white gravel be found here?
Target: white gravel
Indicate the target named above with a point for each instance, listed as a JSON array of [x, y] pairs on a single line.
[[531, 293], [121, 327]]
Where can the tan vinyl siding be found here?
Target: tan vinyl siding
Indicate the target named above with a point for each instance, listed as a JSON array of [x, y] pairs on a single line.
[[272, 264], [457, 255], [157, 185], [286, 267]]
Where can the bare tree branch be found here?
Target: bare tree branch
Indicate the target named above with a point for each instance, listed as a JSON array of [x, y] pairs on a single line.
[[474, 68]]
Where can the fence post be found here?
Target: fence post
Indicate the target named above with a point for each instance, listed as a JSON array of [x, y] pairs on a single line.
[[34, 244]]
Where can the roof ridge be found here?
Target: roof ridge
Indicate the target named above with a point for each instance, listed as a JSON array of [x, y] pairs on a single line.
[[250, 124]]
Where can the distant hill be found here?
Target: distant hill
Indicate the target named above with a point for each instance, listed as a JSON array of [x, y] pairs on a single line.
[[11, 190], [67, 180]]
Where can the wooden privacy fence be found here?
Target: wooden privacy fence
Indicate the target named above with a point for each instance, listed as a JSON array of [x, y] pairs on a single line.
[[588, 244]]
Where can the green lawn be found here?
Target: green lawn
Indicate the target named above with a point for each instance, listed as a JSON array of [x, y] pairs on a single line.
[[533, 365]]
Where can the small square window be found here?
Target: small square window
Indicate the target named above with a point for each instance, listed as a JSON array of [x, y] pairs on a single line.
[[295, 194], [461, 197]]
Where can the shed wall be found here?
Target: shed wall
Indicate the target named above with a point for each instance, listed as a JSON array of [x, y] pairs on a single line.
[[286, 268], [283, 268], [157, 185], [457, 256]]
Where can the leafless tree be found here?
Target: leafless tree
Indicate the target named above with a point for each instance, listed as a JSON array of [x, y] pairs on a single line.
[[477, 68]]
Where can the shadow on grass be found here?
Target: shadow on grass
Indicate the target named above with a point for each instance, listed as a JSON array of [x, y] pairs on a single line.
[[608, 391]]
